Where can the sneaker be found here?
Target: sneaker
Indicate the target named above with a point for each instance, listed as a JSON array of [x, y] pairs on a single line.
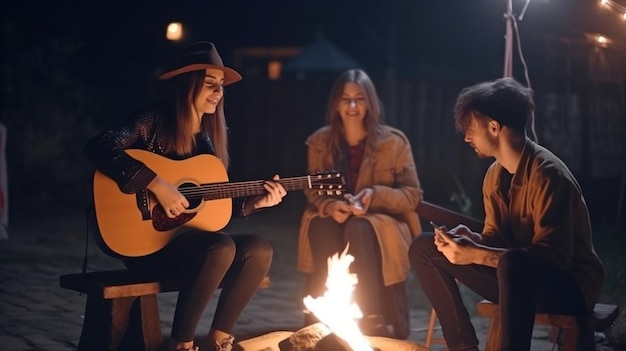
[[226, 344]]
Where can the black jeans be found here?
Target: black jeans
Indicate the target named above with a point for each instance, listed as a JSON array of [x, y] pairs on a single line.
[[328, 237], [206, 261], [521, 285]]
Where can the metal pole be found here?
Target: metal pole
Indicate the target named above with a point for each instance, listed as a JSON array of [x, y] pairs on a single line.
[[508, 47]]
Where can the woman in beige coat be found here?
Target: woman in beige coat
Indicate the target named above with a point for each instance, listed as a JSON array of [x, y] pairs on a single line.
[[376, 216]]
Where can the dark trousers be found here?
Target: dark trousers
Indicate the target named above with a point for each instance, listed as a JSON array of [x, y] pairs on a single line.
[[206, 261], [521, 285], [327, 237]]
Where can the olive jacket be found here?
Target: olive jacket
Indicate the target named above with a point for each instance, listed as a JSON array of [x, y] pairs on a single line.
[[546, 215], [389, 169]]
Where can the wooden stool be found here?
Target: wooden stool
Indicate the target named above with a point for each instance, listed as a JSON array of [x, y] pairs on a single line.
[[431, 328], [122, 311], [600, 320]]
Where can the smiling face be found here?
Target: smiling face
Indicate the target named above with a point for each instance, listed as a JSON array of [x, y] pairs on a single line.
[[211, 92], [352, 105]]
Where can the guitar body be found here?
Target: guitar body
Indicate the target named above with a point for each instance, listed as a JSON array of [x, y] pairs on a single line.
[[124, 232], [135, 225]]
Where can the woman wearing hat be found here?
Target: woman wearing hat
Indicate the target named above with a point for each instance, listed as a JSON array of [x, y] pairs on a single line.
[[191, 123]]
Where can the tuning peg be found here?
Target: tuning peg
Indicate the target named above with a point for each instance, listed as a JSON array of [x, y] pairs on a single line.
[[330, 192]]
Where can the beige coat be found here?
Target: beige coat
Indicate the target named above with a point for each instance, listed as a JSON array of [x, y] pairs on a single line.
[[389, 169]]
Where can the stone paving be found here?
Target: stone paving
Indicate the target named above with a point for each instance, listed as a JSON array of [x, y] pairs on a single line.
[[36, 314]]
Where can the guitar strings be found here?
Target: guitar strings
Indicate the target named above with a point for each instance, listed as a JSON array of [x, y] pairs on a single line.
[[292, 184], [249, 187]]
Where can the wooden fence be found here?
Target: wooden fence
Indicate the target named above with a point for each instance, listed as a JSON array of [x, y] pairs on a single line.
[[270, 120]]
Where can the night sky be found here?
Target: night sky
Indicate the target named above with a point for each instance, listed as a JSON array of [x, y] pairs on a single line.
[[120, 37], [81, 65]]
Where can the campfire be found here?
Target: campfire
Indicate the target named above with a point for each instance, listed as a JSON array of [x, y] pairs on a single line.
[[338, 314], [335, 308]]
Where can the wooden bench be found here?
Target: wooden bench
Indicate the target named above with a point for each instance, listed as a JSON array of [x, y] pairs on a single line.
[[600, 320], [121, 311]]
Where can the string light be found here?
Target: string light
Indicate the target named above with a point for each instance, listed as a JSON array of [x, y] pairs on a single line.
[[614, 6]]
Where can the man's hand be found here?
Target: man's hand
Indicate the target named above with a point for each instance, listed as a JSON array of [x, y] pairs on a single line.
[[457, 249], [463, 230]]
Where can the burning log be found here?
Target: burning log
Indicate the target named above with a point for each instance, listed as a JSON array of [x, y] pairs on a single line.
[[317, 337], [338, 330], [305, 339], [336, 308], [332, 342]]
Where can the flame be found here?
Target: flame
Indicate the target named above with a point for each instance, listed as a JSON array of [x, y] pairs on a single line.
[[335, 308]]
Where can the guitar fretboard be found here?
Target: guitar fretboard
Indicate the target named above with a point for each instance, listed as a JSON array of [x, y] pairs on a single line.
[[225, 190]]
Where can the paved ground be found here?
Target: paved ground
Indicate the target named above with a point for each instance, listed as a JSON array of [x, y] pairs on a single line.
[[36, 314]]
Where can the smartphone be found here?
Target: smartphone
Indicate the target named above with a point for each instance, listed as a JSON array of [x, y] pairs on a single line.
[[436, 226], [354, 202], [443, 229]]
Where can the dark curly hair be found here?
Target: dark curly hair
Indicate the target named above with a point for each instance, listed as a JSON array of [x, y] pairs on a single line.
[[504, 100]]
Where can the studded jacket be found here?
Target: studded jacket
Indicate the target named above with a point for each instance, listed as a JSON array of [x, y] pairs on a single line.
[[141, 131]]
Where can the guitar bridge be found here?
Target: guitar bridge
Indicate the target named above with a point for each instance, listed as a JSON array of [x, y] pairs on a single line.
[[143, 204]]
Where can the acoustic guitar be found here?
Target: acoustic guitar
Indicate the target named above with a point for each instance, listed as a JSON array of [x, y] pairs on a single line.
[[134, 225]]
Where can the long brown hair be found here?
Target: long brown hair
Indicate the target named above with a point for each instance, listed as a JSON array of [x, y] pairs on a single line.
[[178, 131], [373, 117]]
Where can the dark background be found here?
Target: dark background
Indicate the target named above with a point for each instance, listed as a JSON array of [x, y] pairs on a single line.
[[71, 68]]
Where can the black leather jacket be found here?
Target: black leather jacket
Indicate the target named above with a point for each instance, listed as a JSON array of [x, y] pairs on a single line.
[[140, 131]]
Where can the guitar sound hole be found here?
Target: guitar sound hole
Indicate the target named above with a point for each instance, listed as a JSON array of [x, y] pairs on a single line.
[[194, 197]]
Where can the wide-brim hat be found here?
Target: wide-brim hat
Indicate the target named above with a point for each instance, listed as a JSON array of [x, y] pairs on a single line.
[[200, 56]]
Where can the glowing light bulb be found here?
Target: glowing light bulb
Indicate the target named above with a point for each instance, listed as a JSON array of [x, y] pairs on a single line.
[[174, 31]]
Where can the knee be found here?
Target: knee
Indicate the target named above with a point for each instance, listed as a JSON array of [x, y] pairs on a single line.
[[322, 231], [420, 246], [260, 250], [224, 247], [264, 249], [322, 225], [421, 243], [358, 228], [512, 263]]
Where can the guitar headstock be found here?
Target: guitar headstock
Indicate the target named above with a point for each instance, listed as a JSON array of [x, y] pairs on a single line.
[[328, 183]]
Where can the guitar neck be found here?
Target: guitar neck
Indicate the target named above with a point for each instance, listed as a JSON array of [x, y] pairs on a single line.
[[214, 191]]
